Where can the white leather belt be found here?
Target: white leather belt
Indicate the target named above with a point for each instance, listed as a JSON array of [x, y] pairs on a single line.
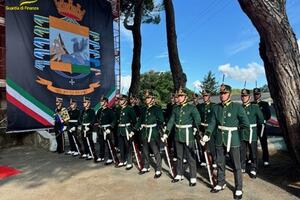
[[251, 132], [150, 126], [73, 120], [104, 126], [104, 132], [204, 124], [125, 125], [262, 128], [229, 129], [85, 126], [186, 127]]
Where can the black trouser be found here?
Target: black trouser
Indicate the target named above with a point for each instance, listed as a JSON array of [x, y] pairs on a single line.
[[189, 152], [235, 156], [154, 145], [74, 142], [264, 144], [125, 149], [212, 149], [171, 142], [102, 144], [253, 154], [88, 143], [115, 137], [59, 135]]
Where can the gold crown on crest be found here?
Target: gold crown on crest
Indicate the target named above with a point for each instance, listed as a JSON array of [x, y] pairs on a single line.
[[68, 9]]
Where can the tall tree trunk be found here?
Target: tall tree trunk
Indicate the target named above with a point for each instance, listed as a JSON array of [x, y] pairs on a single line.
[[137, 46], [179, 78], [280, 53]]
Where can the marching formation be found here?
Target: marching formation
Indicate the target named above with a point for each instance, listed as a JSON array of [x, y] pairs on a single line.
[[189, 133]]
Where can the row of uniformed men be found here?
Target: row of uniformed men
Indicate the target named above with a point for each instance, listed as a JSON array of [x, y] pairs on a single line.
[[226, 123]]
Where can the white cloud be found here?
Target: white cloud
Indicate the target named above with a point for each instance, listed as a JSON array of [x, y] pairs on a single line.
[[243, 45], [249, 73], [197, 85], [125, 83], [162, 55]]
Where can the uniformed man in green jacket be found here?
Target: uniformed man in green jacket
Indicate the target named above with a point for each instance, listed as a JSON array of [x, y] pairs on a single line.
[[106, 120], [249, 139], [265, 109], [74, 113], [61, 118], [183, 117], [150, 124], [226, 121], [86, 121], [126, 120], [205, 109]]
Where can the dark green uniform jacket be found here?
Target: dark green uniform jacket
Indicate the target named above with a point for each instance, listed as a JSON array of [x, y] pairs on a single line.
[[105, 117], [150, 123], [74, 118], [256, 118], [184, 117], [265, 109], [126, 120], [224, 117], [205, 110], [87, 117]]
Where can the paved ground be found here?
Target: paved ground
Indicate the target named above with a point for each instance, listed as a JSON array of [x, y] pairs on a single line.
[[48, 175]]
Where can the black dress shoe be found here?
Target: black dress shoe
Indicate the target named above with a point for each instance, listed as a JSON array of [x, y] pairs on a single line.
[[192, 184], [157, 176], [252, 175], [238, 196], [129, 168], [142, 172], [175, 180], [214, 190]]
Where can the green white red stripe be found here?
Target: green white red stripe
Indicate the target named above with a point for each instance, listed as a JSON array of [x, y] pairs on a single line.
[[111, 98], [28, 104]]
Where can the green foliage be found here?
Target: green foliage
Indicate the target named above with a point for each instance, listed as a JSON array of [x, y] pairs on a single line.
[[209, 83], [161, 83], [151, 11]]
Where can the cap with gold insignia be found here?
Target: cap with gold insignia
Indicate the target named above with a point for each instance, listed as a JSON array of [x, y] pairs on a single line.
[[148, 94], [103, 98], [59, 99], [205, 92], [73, 101], [181, 92], [225, 89], [123, 96], [245, 92], [86, 99], [256, 91]]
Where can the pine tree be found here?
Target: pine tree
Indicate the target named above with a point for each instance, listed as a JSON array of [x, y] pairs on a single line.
[[209, 83]]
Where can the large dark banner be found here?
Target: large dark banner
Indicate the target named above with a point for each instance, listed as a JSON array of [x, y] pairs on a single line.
[[56, 48]]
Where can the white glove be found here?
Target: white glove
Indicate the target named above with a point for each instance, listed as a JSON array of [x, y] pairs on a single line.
[[204, 139], [72, 129], [165, 128], [164, 137], [194, 131], [64, 128], [86, 129], [79, 128], [131, 134], [107, 131]]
